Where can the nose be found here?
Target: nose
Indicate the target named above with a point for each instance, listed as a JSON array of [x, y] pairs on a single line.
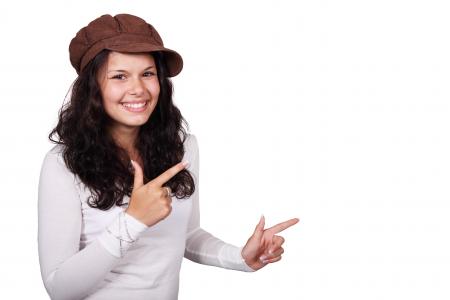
[[136, 87]]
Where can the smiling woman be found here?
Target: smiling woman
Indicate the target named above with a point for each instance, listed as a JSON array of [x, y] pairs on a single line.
[[119, 193]]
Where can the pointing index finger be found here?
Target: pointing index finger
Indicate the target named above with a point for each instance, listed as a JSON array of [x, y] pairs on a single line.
[[168, 174], [282, 226]]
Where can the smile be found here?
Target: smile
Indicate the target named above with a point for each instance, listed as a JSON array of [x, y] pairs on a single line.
[[135, 107]]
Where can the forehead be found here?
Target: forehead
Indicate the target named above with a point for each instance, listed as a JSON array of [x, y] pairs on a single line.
[[123, 60]]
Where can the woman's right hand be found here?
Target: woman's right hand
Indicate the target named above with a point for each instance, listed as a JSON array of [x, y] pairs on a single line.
[[149, 203]]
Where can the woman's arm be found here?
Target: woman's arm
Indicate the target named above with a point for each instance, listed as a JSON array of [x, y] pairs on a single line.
[[67, 272], [201, 246]]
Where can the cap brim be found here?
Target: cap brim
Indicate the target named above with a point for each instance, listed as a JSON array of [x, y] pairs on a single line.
[[174, 60]]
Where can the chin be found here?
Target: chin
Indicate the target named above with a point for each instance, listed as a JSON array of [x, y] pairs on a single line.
[[133, 122]]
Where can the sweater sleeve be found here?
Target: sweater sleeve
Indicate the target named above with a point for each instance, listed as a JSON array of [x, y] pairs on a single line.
[[67, 272], [201, 246]]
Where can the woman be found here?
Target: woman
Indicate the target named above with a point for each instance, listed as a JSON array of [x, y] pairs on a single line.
[[118, 194]]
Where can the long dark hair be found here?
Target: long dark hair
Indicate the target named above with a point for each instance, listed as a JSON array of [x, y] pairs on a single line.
[[103, 166]]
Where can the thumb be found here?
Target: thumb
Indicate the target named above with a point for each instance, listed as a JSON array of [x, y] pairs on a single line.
[[138, 175], [259, 229]]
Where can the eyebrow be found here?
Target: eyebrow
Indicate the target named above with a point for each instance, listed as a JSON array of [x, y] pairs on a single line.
[[149, 67]]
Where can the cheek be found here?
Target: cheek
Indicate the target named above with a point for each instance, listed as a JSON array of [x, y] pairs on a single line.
[[114, 93], [111, 97], [107, 106], [110, 101], [154, 89]]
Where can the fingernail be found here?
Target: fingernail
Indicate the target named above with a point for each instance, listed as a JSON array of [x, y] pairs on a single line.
[[265, 261], [263, 257], [185, 163], [270, 251]]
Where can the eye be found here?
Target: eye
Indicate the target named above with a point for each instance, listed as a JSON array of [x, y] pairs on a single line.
[[118, 76], [149, 74]]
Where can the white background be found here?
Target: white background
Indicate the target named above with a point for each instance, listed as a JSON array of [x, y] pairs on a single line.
[[336, 112]]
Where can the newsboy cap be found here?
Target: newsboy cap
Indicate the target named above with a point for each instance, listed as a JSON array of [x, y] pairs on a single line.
[[122, 33]]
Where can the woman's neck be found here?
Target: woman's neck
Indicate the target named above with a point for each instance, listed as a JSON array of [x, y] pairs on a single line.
[[125, 137]]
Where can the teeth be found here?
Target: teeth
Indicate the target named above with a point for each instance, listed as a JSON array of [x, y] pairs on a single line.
[[134, 105]]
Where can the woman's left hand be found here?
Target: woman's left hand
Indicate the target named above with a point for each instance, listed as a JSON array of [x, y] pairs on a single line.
[[264, 246]]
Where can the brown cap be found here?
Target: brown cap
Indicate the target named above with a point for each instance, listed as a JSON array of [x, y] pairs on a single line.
[[122, 33]]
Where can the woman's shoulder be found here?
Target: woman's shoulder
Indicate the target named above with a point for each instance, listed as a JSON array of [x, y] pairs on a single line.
[[191, 143], [53, 160], [56, 150], [191, 140], [190, 147], [55, 153]]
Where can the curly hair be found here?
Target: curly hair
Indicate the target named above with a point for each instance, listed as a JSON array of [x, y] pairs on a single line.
[[103, 166]]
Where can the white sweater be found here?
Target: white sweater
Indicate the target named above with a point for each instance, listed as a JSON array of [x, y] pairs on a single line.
[[80, 259]]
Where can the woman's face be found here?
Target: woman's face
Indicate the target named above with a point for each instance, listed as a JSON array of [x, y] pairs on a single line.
[[130, 88]]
